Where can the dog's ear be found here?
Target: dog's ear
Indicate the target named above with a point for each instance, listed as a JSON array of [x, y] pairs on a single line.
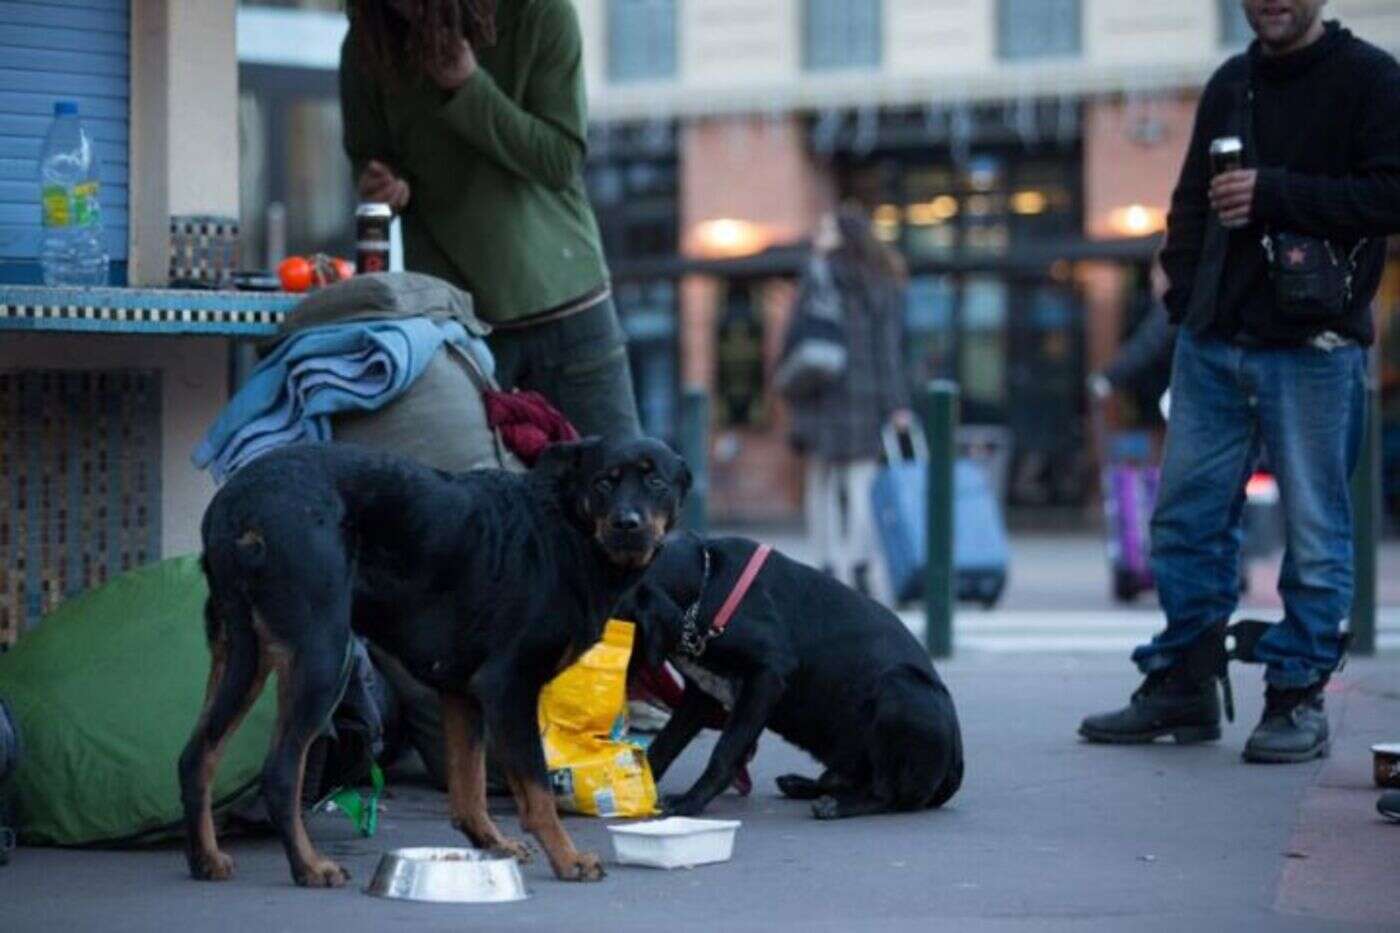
[[567, 460], [684, 481], [684, 477]]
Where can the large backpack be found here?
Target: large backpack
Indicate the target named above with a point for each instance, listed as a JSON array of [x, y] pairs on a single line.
[[105, 692], [441, 419]]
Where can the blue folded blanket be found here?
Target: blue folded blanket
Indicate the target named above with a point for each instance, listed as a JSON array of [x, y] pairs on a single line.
[[318, 372]]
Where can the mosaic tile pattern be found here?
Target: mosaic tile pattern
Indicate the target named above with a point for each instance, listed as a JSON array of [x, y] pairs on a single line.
[[203, 248], [142, 310], [79, 485]]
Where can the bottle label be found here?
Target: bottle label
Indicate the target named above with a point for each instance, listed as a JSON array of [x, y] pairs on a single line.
[[58, 207], [86, 209], [70, 207]]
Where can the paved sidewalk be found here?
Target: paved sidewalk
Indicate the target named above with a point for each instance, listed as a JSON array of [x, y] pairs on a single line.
[[1047, 833], [1057, 598]]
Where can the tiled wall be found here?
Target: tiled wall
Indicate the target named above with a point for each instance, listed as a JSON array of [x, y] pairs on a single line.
[[80, 484]]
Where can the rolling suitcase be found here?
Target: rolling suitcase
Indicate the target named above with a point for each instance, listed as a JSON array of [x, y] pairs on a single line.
[[980, 549], [1129, 495], [899, 503]]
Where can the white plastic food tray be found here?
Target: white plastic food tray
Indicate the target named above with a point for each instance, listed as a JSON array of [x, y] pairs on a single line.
[[675, 842]]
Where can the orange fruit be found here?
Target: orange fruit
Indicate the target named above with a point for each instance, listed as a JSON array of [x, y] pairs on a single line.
[[296, 273]]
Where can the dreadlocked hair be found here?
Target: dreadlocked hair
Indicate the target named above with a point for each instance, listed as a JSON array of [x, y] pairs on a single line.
[[404, 40]]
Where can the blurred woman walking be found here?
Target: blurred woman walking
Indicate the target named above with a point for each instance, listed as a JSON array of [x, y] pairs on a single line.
[[852, 297]]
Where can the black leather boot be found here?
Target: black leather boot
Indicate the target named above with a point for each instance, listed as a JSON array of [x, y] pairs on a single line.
[[1293, 727], [1179, 701]]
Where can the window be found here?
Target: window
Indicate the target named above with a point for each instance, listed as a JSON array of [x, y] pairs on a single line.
[[1235, 30], [293, 199], [641, 40], [1029, 29], [648, 309], [841, 34], [52, 52], [633, 179]]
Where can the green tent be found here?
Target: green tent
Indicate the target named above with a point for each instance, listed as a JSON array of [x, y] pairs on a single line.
[[105, 691]]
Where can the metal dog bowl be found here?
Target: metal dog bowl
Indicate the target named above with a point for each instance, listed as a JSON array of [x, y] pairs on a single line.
[[447, 875], [1386, 762]]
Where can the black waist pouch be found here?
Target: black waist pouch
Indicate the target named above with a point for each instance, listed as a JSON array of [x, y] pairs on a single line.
[[1312, 276]]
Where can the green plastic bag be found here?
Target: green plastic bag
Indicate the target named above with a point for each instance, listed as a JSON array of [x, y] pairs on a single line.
[[105, 691]]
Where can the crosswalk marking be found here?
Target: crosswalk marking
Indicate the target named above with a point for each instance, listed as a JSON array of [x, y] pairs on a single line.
[[1028, 630]]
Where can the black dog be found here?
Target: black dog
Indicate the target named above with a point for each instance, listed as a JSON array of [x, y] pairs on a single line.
[[828, 669], [484, 584]]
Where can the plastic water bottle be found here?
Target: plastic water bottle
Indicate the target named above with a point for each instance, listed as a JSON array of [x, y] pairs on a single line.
[[73, 251]]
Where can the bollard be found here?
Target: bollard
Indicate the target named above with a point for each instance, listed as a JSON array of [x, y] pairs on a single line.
[[1366, 520], [938, 407], [693, 436]]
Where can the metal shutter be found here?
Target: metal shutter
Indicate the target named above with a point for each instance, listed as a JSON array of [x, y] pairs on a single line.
[[58, 50]]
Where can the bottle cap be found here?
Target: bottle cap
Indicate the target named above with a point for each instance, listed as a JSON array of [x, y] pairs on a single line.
[[1223, 145], [65, 108], [374, 209]]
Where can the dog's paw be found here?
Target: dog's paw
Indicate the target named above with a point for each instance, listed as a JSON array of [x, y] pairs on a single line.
[[798, 787], [211, 866], [680, 805], [826, 808], [584, 866], [512, 848], [323, 874]]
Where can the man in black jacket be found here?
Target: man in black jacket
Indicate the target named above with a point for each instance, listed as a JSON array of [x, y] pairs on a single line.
[[1260, 362]]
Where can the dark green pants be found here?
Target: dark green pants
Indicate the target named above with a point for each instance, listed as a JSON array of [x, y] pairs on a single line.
[[579, 363]]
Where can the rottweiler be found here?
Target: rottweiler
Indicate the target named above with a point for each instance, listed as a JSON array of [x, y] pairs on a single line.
[[484, 584], [830, 670]]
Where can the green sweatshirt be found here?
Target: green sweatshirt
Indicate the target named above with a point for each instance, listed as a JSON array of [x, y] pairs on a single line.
[[498, 205]]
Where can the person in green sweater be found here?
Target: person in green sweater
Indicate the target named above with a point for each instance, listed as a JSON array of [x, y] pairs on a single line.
[[468, 117]]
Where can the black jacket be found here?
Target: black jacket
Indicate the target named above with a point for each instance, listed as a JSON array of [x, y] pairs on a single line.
[[1326, 142], [1144, 362], [842, 422]]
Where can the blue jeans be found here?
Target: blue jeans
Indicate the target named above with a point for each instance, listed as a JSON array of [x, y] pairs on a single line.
[[1306, 406]]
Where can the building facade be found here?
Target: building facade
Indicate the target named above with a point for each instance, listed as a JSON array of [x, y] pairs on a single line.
[[1020, 153]]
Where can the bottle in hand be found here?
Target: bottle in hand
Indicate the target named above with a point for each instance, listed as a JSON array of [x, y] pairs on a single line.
[[1226, 155]]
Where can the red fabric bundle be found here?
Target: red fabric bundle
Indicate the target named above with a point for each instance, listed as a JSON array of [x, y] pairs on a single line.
[[527, 421]]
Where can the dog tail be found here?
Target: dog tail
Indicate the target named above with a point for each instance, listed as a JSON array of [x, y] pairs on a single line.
[[225, 607]]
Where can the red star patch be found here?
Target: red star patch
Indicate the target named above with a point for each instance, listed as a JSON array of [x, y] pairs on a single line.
[[1296, 256]]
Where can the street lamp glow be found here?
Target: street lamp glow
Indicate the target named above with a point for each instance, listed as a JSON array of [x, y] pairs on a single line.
[[728, 237], [1136, 220], [1028, 202]]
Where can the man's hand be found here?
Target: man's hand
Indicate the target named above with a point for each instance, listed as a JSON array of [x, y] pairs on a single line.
[[1232, 196], [379, 183], [453, 76]]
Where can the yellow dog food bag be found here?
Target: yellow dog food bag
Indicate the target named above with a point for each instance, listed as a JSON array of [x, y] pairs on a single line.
[[583, 718]]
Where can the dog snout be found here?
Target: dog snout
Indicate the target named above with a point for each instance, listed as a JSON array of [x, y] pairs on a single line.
[[627, 520]]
